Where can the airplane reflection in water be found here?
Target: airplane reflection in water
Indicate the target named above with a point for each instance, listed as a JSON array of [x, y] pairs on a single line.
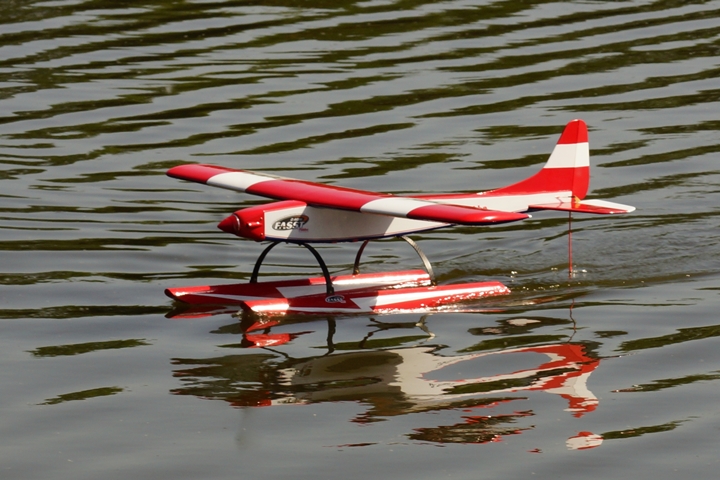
[[397, 380]]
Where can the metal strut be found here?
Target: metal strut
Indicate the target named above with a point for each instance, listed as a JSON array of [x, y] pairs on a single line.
[[426, 262], [330, 289], [356, 266], [256, 270], [424, 259]]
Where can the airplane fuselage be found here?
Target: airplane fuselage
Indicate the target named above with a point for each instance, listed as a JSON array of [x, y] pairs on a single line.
[[296, 222]]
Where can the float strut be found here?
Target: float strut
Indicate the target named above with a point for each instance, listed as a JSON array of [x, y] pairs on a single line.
[[424, 259], [256, 270], [426, 262], [330, 289], [356, 266], [328, 281]]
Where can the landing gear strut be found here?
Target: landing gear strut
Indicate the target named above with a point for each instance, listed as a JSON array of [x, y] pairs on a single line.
[[356, 266]]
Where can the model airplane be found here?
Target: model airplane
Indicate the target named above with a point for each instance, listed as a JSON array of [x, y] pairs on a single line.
[[309, 212]]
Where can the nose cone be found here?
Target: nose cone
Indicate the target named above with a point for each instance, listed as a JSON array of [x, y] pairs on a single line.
[[246, 223], [230, 224]]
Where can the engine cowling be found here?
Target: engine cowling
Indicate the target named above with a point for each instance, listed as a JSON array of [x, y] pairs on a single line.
[[252, 222]]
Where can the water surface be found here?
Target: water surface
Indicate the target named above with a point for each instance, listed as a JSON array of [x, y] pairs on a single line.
[[610, 370]]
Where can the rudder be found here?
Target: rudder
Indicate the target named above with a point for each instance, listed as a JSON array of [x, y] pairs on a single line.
[[567, 169]]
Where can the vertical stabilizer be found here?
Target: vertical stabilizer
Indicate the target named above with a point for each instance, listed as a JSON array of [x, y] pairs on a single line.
[[567, 169]]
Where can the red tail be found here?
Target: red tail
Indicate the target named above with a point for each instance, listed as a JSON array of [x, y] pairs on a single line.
[[567, 169]]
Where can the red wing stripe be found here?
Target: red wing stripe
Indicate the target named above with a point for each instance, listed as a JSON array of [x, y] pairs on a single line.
[[435, 212], [314, 194], [464, 215]]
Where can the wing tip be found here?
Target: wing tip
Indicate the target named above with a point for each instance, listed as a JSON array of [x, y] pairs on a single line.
[[196, 172]]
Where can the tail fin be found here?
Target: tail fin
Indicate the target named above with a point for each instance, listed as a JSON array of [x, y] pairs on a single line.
[[567, 169]]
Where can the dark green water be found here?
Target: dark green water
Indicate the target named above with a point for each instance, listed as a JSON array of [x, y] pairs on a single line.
[[611, 372]]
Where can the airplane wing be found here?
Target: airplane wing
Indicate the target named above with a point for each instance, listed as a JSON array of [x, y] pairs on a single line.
[[329, 196]]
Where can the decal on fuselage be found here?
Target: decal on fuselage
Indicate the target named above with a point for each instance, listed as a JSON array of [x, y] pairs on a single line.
[[296, 222], [335, 299]]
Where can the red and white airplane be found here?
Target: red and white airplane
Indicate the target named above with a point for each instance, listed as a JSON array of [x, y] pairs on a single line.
[[309, 212]]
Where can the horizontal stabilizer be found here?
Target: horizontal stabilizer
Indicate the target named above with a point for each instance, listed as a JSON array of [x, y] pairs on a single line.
[[601, 207]]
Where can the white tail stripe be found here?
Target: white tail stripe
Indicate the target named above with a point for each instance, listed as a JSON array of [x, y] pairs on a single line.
[[571, 155]]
